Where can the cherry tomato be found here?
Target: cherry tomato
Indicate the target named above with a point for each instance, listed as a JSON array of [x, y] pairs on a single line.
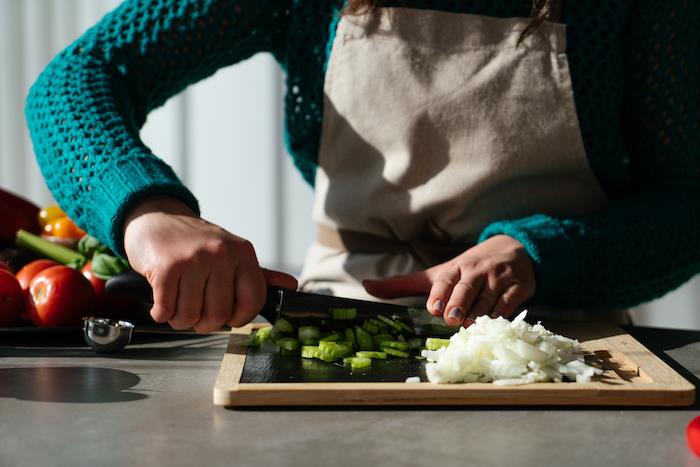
[[50, 213], [11, 299], [97, 283], [692, 434], [27, 273], [63, 227], [60, 296]]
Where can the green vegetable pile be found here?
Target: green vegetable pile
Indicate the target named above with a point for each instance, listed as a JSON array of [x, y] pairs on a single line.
[[356, 345]]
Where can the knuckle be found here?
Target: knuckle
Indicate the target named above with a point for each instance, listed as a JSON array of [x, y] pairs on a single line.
[[217, 247]]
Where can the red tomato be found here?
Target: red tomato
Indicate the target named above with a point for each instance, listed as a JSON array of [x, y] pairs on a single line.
[[97, 283], [60, 296], [11, 299], [692, 434], [27, 273]]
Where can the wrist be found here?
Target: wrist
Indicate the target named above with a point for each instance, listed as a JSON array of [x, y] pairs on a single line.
[[156, 204]]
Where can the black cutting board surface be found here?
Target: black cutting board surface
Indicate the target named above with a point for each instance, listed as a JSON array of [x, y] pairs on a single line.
[[265, 365]]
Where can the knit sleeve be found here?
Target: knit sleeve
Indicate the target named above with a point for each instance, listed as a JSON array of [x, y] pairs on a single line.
[[647, 242], [85, 110]]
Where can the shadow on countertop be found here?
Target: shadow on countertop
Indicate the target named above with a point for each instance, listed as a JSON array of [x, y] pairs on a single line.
[[69, 384]]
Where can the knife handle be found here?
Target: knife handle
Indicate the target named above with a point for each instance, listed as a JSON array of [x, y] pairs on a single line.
[[134, 285]]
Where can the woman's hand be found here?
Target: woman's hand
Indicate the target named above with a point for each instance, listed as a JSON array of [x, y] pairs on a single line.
[[202, 276], [494, 277]]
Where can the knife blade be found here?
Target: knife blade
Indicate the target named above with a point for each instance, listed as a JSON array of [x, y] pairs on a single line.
[[303, 306]]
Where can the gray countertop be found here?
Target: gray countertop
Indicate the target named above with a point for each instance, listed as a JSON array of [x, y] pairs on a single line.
[[61, 405]]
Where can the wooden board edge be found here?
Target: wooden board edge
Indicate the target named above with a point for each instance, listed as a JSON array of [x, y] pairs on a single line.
[[387, 394], [229, 376]]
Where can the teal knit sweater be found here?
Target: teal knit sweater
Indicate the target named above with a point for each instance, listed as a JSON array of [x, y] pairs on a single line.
[[635, 68]]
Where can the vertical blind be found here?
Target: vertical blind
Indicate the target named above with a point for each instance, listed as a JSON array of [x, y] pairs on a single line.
[[222, 137]]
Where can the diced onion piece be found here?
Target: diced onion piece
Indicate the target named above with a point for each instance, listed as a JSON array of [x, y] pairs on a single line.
[[507, 353], [413, 379]]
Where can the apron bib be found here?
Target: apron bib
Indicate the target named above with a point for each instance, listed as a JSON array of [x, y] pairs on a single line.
[[436, 125]]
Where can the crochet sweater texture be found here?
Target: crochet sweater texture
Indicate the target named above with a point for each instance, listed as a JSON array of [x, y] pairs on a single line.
[[635, 69]]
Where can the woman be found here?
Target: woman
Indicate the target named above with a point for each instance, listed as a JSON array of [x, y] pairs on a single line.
[[467, 151]]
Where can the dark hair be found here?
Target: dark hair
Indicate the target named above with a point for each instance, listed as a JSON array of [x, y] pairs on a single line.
[[541, 11]]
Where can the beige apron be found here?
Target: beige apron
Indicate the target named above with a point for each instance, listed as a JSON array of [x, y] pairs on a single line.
[[435, 126]]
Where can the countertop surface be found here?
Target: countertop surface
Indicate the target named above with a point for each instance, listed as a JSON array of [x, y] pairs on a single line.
[[62, 405]]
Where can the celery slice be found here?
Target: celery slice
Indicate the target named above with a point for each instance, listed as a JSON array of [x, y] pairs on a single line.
[[344, 313], [309, 351], [350, 336], [371, 354], [283, 325], [264, 333], [253, 339], [309, 332], [288, 343], [395, 352], [330, 337], [364, 339], [394, 344], [357, 362], [390, 322], [415, 343], [434, 343], [370, 328]]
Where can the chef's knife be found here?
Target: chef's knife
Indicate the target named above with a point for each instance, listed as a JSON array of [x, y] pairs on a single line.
[[302, 306]]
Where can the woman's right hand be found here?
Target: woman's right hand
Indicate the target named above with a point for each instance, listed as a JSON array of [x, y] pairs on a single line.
[[202, 276]]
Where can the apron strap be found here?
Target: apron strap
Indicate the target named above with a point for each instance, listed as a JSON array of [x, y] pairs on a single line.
[[430, 252]]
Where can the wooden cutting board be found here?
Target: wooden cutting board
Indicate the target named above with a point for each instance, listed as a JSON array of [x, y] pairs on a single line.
[[633, 376]]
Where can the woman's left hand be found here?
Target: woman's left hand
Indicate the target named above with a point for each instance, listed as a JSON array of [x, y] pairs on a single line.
[[494, 277]]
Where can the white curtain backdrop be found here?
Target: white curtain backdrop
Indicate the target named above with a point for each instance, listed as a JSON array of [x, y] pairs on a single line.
[[222, 136]]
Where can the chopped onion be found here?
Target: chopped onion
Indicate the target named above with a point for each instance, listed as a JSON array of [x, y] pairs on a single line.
[[413, 379], [507, 353]]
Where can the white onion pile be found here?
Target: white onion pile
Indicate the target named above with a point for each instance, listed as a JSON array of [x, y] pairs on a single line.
[[508, 353]]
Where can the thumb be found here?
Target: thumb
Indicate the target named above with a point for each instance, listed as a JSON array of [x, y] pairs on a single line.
[[409, 285], [280, 279]]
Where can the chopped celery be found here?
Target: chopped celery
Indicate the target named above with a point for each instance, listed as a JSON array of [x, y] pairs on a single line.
[[357, 362], [395, 352], [283, 325], [394, 344], [370, 328], [364, 339], [309, 351], [434, 343], [280, 328], [415, 343], [382, 337], [326, 357], [253, 339], [334, 349], [309, 332], [330, 337], [350, 336], [390, 322], [371, 354], [288, 343], [380, 324], [309, 342], [406, 327], [344, 313], [264, 333]]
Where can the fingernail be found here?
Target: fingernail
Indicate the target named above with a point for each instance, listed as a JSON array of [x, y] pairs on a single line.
[[455, 313], [438, 305]]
